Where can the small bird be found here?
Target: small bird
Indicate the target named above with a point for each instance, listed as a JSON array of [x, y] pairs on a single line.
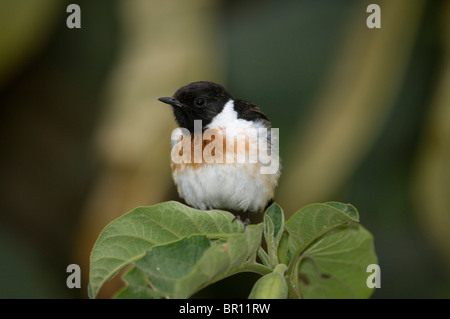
[[226, 183]]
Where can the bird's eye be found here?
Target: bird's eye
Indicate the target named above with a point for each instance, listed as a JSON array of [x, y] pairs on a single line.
[[199, 101]]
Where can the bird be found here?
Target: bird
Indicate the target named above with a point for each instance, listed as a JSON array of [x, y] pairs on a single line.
[[220, 176]]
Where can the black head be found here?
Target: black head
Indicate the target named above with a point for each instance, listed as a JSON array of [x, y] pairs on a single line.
[[197, 101]]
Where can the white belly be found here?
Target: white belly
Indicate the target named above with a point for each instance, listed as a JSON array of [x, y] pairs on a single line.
[[239, 187]]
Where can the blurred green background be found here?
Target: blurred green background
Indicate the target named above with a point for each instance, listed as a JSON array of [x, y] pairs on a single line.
[[364, 118]]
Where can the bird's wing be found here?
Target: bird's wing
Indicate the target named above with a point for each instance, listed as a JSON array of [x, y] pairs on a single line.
[[250, 112]]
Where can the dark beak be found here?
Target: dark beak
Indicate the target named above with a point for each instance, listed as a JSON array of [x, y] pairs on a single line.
[[171, 101]]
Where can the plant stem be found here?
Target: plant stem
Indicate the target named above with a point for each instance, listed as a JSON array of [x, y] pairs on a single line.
[[253, 267], [264, 257], [292, 278]]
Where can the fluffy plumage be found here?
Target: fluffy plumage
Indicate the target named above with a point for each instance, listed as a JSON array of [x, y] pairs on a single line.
[[230, 184]]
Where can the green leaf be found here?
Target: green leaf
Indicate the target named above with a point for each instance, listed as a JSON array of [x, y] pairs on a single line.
[[273, 230], [328, 251], [181, 268], [165, 265], [175, 251], [314, 220], [137, 286], [335, 265], [347, 209], [126, 239], [284, 255], [222, 260]]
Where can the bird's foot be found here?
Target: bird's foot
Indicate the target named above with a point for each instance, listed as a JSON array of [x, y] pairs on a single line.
[[245, 223]]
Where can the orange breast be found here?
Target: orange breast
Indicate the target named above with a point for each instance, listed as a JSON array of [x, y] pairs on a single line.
[[210, 147]]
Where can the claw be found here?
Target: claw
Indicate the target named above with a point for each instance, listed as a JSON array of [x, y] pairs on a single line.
[[245, 223]]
